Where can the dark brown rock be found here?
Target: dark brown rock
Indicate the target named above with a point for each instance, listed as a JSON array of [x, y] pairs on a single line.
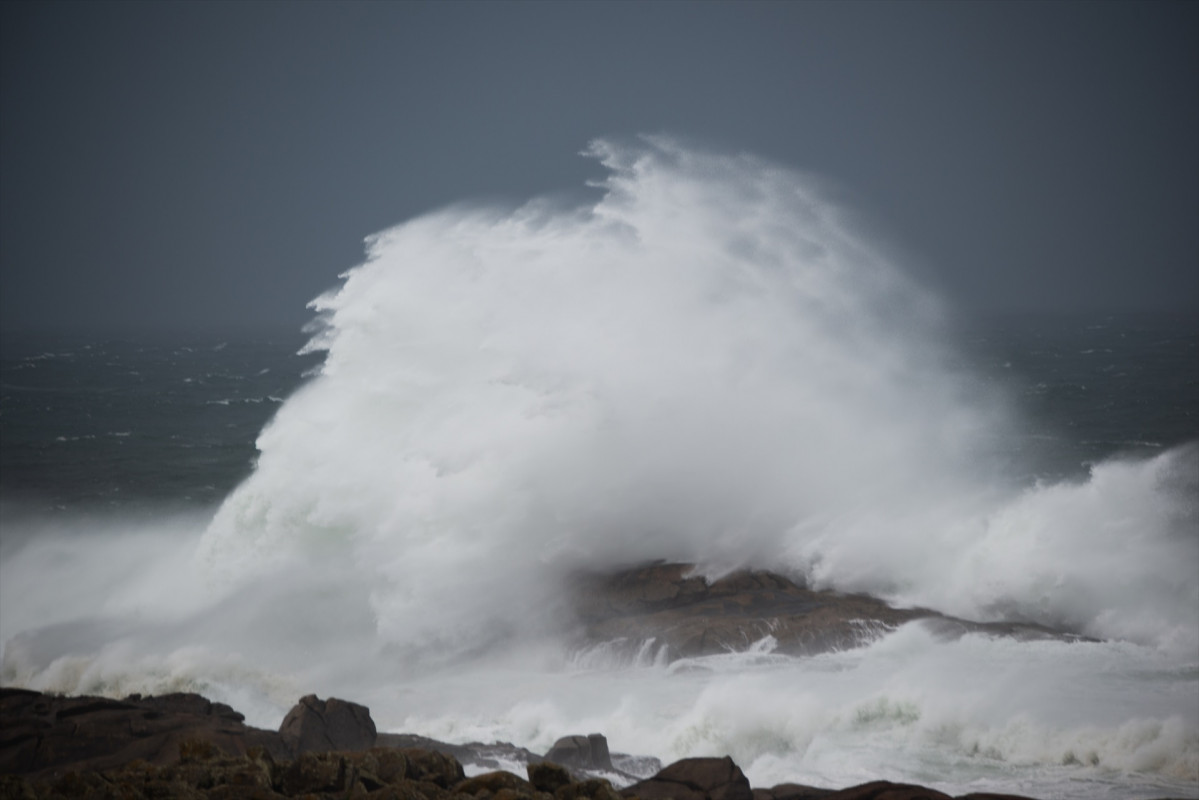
[[314, 772], [318, 726], [690, 616], [433, 767], [885, 790], [45, 733], [695, 779], [188, 747], [589, 789], [492, 782], [377, 774], [547, 776], [792, 791], [385, 764], [13, 787]]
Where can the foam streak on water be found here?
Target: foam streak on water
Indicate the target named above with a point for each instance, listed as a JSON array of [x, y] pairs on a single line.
[[710, 364]]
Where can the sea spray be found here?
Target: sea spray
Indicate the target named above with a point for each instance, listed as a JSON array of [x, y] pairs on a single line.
[[712, 364], [708, 365], [696, 368]]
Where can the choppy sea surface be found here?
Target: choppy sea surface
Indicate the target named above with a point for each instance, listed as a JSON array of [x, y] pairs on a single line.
[[101, 422], [706, 366]]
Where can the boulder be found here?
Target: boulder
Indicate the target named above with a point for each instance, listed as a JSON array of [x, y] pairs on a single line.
[[318, 726], [584, 752], [695, 779]]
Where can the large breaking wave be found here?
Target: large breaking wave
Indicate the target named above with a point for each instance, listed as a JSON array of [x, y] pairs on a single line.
[[713, 364], [710, 364]]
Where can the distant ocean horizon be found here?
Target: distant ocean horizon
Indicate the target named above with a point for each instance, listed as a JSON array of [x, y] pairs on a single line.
[[708, 367], [112, 419]]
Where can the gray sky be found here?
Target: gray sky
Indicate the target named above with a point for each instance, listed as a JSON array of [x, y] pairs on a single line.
[[219, 163]]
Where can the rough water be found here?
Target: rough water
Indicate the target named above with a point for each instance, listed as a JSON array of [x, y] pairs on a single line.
[[710, 364]]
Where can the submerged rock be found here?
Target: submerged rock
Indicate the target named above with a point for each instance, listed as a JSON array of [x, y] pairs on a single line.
[[680, 614]]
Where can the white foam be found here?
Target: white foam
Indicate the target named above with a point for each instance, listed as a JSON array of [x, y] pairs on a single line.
[[963, 714], [709, 365]]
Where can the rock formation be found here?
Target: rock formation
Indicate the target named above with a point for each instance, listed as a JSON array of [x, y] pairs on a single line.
[[695, 779], [182, 745], [315, 725], [690, 616], [42, 734]]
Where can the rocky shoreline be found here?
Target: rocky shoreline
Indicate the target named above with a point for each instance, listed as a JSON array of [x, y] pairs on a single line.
[[183, 745]]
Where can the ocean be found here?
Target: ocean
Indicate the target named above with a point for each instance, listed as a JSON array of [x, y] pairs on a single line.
[[710, 364]]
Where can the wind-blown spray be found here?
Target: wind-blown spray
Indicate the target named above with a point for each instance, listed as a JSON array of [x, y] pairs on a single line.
[[710, 364]]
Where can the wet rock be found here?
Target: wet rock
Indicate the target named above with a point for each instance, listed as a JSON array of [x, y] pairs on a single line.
[[695, 779], [634, 767], [688, 616], [317, 726], [477, 755]]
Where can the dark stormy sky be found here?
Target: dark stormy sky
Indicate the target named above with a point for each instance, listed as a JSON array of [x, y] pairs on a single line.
[[177, 164]]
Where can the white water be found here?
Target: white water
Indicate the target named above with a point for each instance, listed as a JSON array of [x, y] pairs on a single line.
[[709, 365]]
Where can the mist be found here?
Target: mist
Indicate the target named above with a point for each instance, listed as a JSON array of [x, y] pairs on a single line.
[[714, 363]]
